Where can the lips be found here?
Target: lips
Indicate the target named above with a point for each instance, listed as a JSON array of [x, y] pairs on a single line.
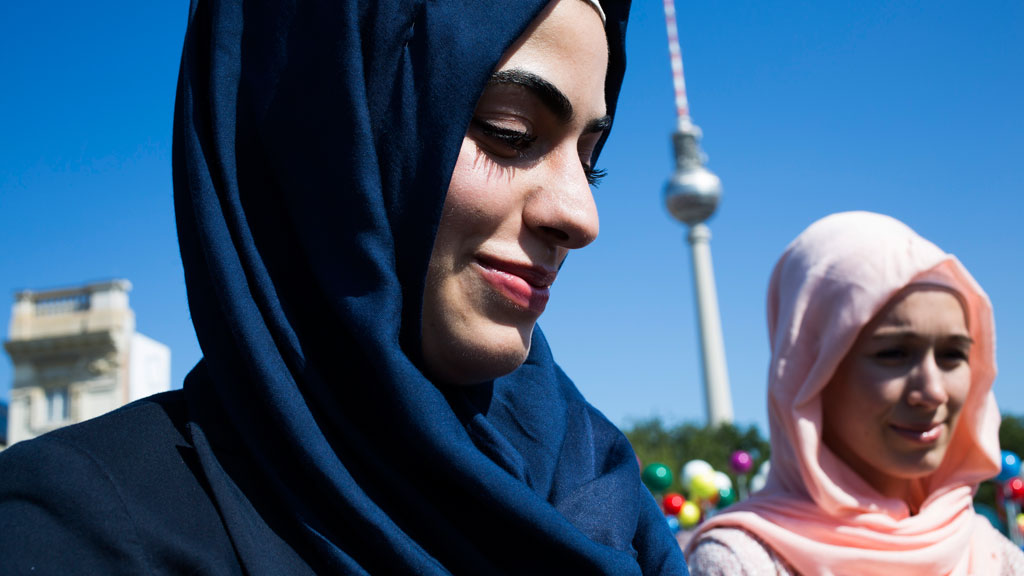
[[524, 285], [919, 433]]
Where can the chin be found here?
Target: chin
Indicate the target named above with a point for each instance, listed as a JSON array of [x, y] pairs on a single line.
[[931, 462], [920, 467], [479, 355]]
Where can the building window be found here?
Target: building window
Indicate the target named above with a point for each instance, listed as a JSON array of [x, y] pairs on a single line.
[[57, 405]]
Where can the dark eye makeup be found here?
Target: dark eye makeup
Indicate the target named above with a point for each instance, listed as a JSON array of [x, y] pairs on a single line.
[[518, 142]]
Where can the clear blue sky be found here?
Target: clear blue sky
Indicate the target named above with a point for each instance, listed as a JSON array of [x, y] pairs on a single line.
[[909, 108]]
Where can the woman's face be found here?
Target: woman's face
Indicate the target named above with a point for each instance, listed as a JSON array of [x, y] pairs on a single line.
[[519, 197], [891, 408]]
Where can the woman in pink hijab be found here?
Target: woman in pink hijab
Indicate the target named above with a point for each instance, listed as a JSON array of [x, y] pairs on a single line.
[[882, 416]]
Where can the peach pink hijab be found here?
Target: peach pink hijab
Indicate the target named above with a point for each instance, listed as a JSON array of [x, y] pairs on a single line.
[[815, 511]]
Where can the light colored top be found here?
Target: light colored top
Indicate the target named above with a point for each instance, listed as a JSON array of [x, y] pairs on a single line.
[[736, 552]]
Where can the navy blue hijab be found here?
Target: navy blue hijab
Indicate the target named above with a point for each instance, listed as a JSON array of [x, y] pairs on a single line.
[[314, 141]]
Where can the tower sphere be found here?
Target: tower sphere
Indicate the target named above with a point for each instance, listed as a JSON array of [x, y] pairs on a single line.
[[692, 193]]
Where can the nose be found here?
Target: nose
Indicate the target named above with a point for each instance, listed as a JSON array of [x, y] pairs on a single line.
[[928, 388], [561, 207]]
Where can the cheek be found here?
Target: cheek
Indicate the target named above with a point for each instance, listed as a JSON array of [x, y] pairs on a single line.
[[876, 388], [476, 191], [838, 402], [464, 180], [958, 386], [457, 216], [852, 392]]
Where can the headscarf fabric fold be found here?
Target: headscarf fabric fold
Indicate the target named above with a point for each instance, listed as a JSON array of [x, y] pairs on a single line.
[[815, 510], [313, 146]]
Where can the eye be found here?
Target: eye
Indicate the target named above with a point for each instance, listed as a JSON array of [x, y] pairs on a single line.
[[891, 356], [951, 357], [504, 141]]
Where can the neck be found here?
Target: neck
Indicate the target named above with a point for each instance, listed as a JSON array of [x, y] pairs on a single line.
[[909, 491]]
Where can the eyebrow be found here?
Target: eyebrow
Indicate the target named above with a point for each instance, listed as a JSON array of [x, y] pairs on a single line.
[[552, 98], [883, 334]]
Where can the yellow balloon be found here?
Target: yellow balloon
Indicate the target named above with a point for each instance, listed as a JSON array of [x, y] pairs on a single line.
[[689, 515], [703, 486]]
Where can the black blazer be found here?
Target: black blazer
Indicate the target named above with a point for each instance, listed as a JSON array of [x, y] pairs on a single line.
[[119, 494]]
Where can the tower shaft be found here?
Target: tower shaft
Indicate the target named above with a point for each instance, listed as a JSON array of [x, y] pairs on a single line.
[[718, 399]]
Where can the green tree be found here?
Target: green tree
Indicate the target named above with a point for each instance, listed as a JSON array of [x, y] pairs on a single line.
[[676, 445], [1011, 434]]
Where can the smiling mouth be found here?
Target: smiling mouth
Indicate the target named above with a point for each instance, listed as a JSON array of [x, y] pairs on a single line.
[[923, 434], [525, 286]]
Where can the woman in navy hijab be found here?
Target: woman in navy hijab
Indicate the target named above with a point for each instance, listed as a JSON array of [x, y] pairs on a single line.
[[373, 201]]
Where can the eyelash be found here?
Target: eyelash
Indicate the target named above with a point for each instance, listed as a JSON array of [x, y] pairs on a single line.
[[594, 175], [520, 142], [515, 139]]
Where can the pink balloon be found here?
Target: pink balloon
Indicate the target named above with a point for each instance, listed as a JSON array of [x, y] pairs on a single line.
[[741, 462]]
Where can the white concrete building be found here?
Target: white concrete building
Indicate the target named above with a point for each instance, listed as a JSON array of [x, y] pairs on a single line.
[[76, 355]]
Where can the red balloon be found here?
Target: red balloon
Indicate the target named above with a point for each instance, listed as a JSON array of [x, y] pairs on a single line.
[[1016, 488], [673, 503]]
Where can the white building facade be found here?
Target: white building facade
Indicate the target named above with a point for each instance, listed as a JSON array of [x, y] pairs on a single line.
[[76, 355]]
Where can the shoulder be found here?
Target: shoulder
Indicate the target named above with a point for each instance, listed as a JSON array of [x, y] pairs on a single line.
[[133, 427], [733, 551], [135, 449], [117, 494]]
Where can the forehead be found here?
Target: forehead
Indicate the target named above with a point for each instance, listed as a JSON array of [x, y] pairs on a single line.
[[566, 45], [925, 308]]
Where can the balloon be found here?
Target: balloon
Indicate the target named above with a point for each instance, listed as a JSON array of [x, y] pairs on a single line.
[[657, 477], [703, 486], [689, 516], [673, 522], [1011, 467], [759, 479], [726, 497], [722, 480], [673, 503], [1016, 488], [741, 462], [690, 470]]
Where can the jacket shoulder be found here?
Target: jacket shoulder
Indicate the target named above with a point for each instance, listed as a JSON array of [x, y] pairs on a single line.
[[119, 494]]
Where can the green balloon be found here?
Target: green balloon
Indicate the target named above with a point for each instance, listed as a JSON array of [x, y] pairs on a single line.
[[726, 496], [657, 477]]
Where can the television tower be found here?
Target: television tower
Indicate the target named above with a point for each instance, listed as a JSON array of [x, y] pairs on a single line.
[[691, 196]]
